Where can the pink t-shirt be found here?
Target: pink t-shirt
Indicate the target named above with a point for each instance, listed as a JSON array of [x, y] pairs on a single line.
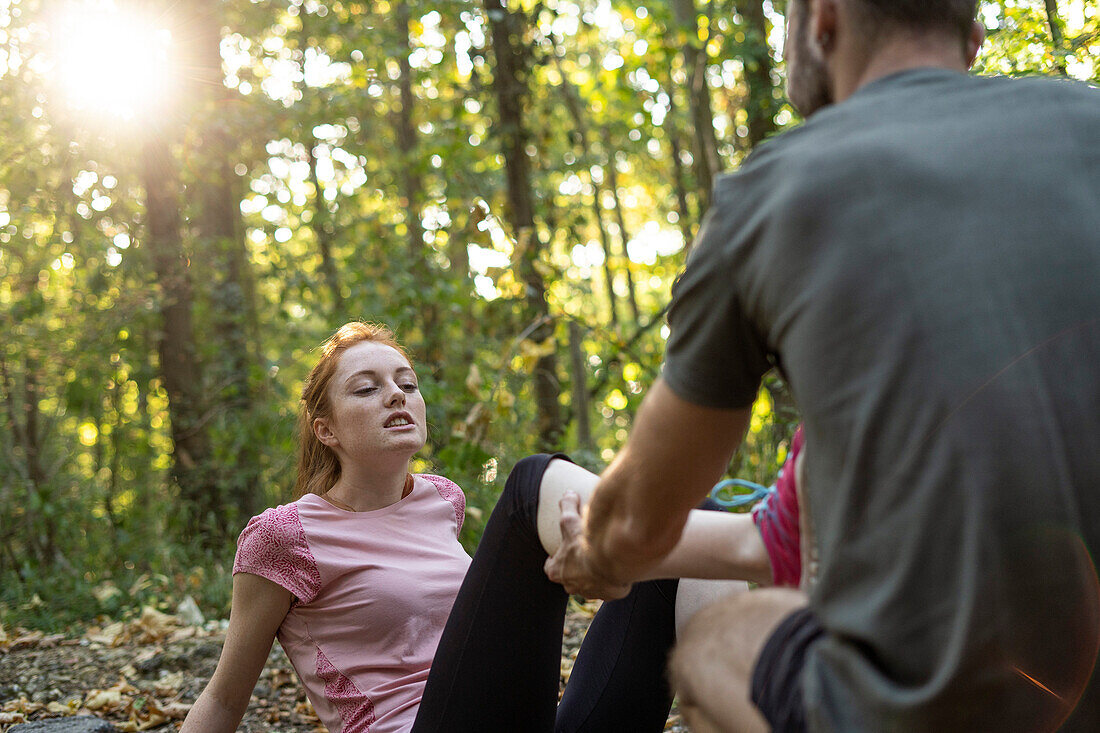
[[777, 518], [372, 593]]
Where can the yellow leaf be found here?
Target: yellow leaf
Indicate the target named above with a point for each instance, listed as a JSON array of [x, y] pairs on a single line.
[[169, 684], [102, 699], [111, 635], [154, 626]]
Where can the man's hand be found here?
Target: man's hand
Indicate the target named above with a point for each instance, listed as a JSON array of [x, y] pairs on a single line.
[[573, 565]]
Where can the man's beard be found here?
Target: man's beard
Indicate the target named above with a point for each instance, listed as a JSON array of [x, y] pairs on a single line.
[[807, 81]]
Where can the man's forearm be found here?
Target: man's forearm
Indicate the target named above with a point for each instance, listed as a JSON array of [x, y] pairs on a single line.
[[675, 452], [626, 541]]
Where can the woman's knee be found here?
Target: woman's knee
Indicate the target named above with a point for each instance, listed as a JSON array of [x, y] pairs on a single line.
[[525, 478]]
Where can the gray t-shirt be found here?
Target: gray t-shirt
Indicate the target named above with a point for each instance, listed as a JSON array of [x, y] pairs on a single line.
[[922, 262]]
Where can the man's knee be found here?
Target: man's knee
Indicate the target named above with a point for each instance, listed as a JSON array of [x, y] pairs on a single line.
[[712, 665]]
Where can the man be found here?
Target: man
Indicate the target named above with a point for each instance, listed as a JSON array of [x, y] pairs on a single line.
[[921, 259]]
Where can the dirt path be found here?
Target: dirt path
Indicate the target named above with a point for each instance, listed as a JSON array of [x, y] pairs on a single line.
[[146, 674]]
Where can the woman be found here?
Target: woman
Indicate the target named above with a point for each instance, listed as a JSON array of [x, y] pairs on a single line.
[[364, 583]]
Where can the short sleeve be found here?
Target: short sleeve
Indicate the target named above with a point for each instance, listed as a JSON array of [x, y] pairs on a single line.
[[450, 491], [273, 546], [714, 356]]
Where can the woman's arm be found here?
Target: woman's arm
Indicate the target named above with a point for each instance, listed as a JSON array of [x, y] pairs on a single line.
[[259, 607], [714, 545], [717, 546]]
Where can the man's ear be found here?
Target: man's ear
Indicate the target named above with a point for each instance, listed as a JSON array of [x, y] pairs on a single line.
[[823, 24], [974, 42], [323, 431]]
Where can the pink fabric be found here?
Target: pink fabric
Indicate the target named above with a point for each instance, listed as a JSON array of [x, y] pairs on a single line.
[[363, 635], [273, 546], [777, 520], [355, 708], [449, 490]]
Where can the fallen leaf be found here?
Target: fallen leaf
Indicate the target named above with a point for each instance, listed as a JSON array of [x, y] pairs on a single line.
[[111, 699], [169, 684], [103, 700], [22, 705], [176, 710], [111, 635], [154, 626], [185, 632], [151, 718], [26, 639]]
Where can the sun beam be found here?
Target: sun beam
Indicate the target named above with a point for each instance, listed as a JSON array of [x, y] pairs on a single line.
[[110, 62]]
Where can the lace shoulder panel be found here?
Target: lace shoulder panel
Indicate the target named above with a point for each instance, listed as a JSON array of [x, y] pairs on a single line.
[[450, 491], [273, 545]]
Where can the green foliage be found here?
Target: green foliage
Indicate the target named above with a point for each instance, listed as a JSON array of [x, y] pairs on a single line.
[[308, 142]]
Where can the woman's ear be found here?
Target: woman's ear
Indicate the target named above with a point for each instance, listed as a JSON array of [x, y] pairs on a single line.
[[323, 430]]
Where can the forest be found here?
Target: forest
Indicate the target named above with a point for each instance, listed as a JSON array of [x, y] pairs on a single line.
[[195, 195]]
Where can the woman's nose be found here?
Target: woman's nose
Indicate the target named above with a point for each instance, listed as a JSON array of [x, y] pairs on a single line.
[[395, 397]]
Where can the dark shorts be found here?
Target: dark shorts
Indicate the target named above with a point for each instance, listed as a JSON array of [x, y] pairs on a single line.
[[777, 677]]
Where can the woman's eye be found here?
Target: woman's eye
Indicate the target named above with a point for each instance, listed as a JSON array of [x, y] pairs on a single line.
[[409, 387], [366, 390]]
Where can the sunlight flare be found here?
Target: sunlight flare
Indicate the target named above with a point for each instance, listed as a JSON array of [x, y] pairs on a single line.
[[111, 62]]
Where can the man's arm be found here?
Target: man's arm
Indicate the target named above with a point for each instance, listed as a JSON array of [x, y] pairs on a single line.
[[675, 453]]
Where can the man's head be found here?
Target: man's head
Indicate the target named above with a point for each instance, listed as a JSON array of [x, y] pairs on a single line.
[[949, 16], [867, 30]]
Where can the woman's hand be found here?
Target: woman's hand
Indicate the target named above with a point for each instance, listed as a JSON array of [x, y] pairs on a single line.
[[573, 565]]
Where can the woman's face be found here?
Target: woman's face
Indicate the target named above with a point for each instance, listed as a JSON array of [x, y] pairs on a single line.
[[376, 405]]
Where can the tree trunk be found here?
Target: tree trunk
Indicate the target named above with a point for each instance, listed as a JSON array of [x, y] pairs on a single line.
[[324, 230], [220, 233], [23, 415], [702, 116], [620, 219], [682, 207], [581, 141], [412, 190], [580, 389], [510, 87], [757, 59], [412, 187], [176, 348], [1057, 37], [323, 224]]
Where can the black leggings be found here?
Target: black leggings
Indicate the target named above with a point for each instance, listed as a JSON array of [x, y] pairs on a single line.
[[498, 662]]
